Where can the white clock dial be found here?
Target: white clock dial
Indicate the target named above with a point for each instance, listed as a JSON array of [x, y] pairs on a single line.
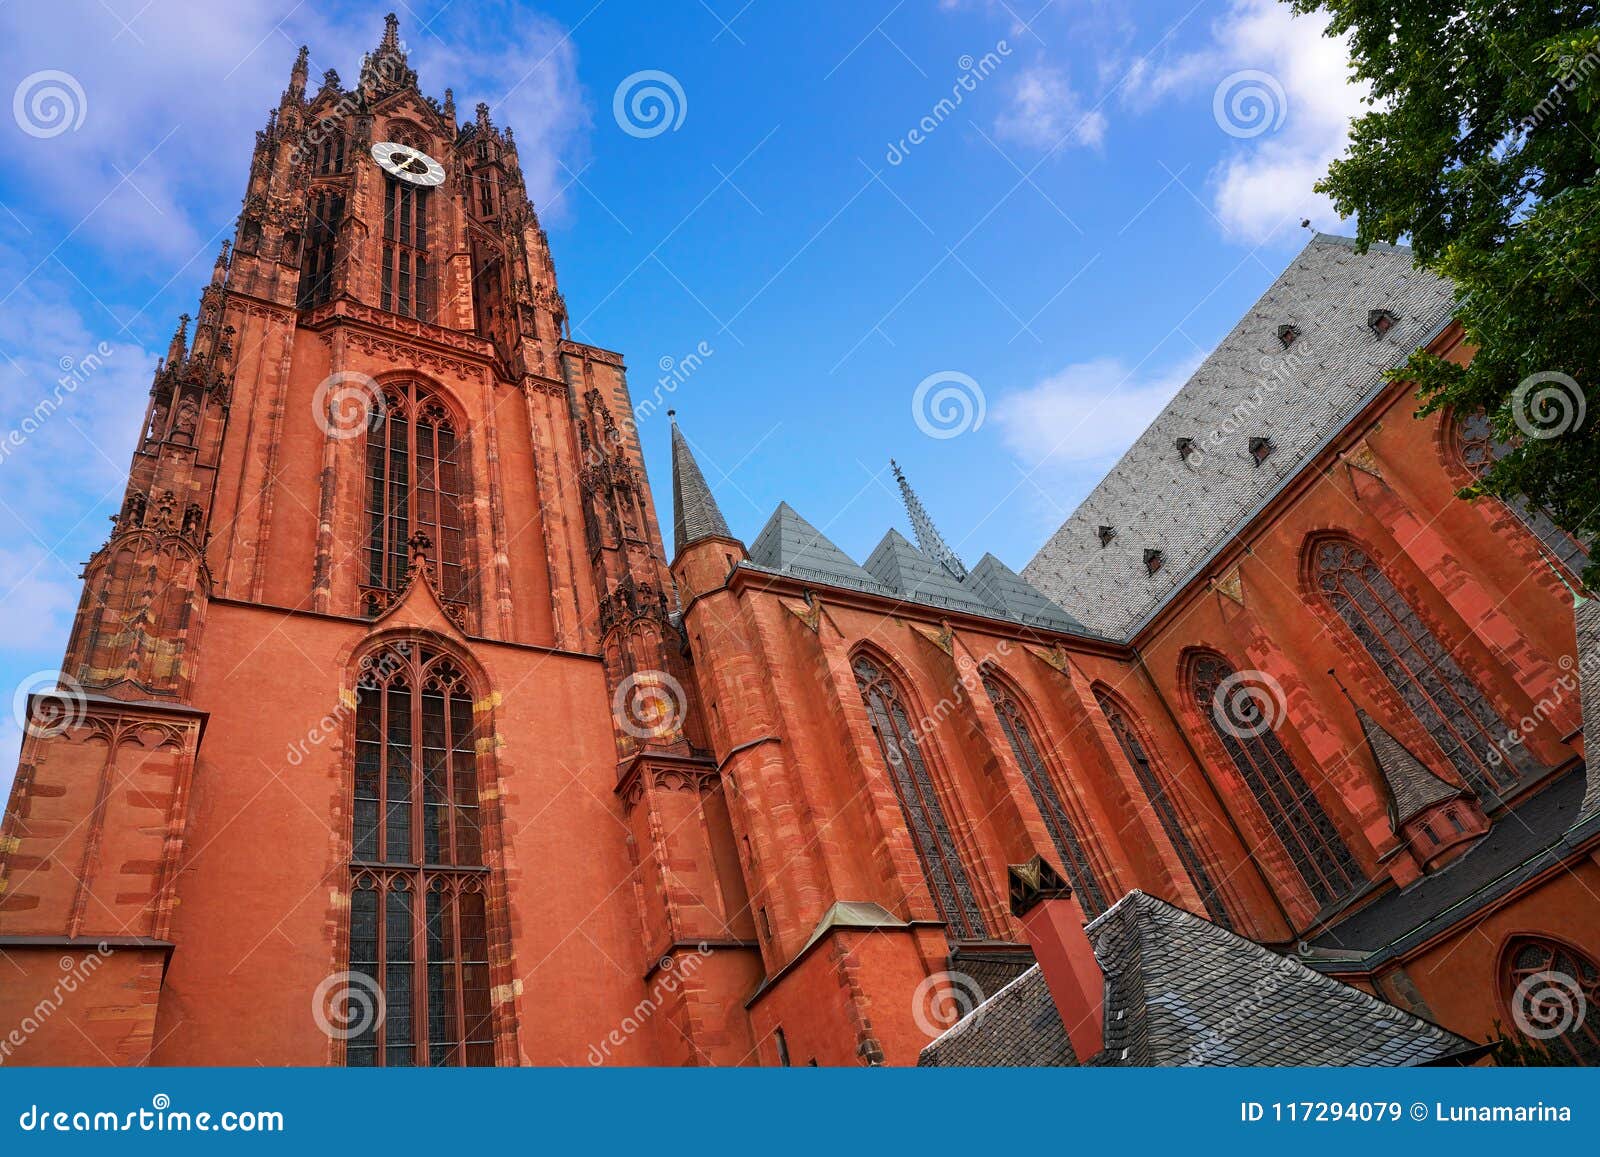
[[408, 164]]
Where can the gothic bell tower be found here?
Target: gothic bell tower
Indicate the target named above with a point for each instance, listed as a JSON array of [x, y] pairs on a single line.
[[385, 617]]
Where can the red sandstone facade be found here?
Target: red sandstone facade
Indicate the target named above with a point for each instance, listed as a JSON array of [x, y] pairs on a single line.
[[651, 872]]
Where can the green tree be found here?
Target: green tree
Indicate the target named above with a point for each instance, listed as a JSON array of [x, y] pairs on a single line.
[[1481, 148]]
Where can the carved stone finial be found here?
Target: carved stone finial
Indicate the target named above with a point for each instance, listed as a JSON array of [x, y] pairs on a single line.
[[180, 341], [391, 33]]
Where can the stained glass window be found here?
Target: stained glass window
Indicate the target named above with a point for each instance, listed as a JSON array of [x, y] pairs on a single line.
[[919, 803], [1419, 667], [1292, 809], [418, 879], [1048, 800], [1553, 992]]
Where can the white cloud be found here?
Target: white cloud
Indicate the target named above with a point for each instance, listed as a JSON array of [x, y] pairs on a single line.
[[1263, 185], [1089, 412], [1043, 110]]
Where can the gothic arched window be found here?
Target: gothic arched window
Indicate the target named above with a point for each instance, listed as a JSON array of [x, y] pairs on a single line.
[[1291, 807], [405, 271], [321, 240], [1155, 790], [419, 928], [1553, 992], [919, 803], [1477, 448], [1046, 798], [1419, 667], [416, 475]]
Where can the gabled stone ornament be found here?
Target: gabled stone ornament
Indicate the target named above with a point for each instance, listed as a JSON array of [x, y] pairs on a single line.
[[1230, 585], [1361, 457], [810, 615], [1053, 657], [943, 638]]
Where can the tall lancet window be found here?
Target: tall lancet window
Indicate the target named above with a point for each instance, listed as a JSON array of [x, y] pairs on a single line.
[[405, 284], [321, 240], [1292, 809], [1152, 781], [1069, 848], [419, 921], [919, 803], [416, 482], [1418, 666]]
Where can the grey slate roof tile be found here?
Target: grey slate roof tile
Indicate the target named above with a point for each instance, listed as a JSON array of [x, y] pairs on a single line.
[[1250, 386], [1182, 991], [695, 514], [1412, 786]]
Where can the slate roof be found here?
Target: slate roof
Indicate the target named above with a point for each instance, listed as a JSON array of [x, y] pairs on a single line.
[[1526, 841], [790, 545], [1182, 991], [695, 514], [1250, 386], [1412, 786]]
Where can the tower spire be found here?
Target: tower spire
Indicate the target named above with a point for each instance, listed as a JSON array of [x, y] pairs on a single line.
[[695, 514], [928, 538]]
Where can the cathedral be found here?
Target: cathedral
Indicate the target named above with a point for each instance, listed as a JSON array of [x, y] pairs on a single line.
[[393, 731]]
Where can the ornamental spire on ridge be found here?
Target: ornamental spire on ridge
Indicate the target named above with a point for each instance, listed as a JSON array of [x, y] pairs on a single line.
[[1413, 785], [694, 511], [928, 538]]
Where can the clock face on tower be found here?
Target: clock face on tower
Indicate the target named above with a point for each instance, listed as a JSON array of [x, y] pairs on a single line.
[[408, 164]]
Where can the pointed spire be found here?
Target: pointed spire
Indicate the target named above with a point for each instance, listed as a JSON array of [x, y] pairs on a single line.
[[180, 342], [298, 74], [391, 34], [694, 511], [219, 271], [1412, 784], [483, 117], [928, 538], [450, 107]]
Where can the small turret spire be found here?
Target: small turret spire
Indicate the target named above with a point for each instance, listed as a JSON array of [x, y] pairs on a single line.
[[695, 514], [297, 75], [450, 107], [1413, 786], [391, 34], [928, 538], [178, 348], [219, 271]]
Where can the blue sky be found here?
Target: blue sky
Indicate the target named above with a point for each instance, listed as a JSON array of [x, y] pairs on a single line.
[[1060, 247]]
